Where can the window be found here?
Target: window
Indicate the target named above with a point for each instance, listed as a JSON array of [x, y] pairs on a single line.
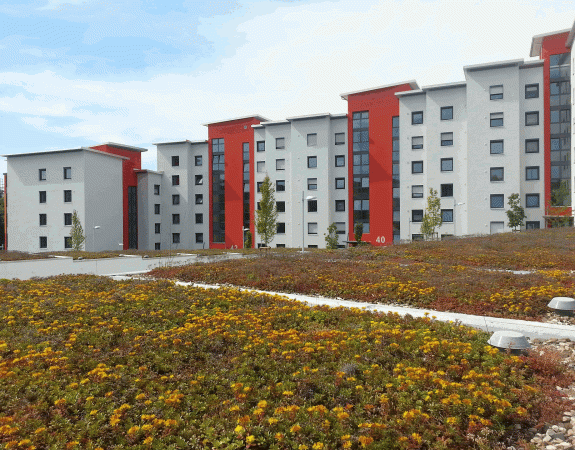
[[339, 138], [340, 205], [175, 219], [175, 238], [157, 228], [199, 238], [447, 190], [496, 119], [340, 227], [258, 207], [42, 174], [446, 139], [261, 146], [312, 184], [416, 215], [280, 164], [532, 91], [496, 92], [312, 206], [417, 191], [496, 147], [532, 146], [280, 246], [417, 142], [43, 219], [312, 162], [157, 208], [156, 189], [531, 118], [67, 173], [175, 180], [532, 200], [417, 167], [67, 196], [447, 215], [281, 228], [175, 199], [312, 228], [496, 174], [175, 161], [280, 185], [532, 225], [198, 160], [199, 218], [447, 164], [447, 113], [496, 200], [311, 139], [67, 219], [340, 183], [43, 241], [417, 237], [199, 180], [496, 227], [261, 166], [199, 199], [281, 206], [157, 246], [417, 117], [43, 196], [280, 143], [68, 242], [259, 186], [532, 173]]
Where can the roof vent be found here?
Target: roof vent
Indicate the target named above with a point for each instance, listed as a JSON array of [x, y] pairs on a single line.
[[564, 306], [504, 340]]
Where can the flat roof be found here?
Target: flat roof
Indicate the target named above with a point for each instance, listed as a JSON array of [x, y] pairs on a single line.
[[148, 171], [408, 93], [68, 150], [529, 64], [265, 124], [412, 83], [493, 65], [538, 40], [261, 118], [569, 42], [124, 146], [455, 84], [309, 116], [168, 143]]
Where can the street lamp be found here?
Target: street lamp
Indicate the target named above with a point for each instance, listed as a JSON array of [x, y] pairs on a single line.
[[309, 197], [455, 204], [94, 236]]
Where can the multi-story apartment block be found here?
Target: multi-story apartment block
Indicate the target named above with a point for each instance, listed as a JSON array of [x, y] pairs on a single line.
[[506, 129]]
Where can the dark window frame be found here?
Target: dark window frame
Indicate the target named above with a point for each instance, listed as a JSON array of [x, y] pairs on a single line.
[[199, 218], [281, 209], [417, 215], [157, 208], [175, 219], [310, 185], [307, 140], [417, 194], [416, 146], [527, 170], [446, 160], [496, 96], [493, 197], [280, 228], [43, 241], [533, 195], [42, 175], [175, 180], [534, 94], [43, 197], [415, 118], [310, 159], [495, 121], [338, 204], [43, 218], [280, 185], [283, 145], [67, 173], [446, 109], [199, 180], [341, 180], [531, 141], [445, 190], [176, 238], [156, 189], [336, 141], [496, 141], [175, 199], [67, 196], [446, 142], [491, 172], [175, 160], [414, 164], [447, 211], [67, 219], [529, 114], [311, 206], [199, 199], [339, 158], [260, 146], [198, 161]]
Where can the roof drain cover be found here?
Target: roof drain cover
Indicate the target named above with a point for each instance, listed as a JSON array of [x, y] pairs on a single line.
[[564, 306], [504, 340]]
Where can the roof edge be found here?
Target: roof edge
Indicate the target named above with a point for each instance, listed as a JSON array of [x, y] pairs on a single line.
[[257, 116], [412, 83]]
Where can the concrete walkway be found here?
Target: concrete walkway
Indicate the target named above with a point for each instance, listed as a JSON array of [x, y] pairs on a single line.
[[532, 330]]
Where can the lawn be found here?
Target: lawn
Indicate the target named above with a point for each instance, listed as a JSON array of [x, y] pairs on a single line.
[[91, 363]]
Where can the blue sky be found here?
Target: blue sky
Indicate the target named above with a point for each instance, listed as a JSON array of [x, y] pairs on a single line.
[[78, 73]]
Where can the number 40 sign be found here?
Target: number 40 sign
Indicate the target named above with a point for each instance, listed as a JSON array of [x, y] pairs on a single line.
[[380, 239]]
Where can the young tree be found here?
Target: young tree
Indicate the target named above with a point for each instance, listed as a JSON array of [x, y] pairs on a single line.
[[77, 233], [331, 238], [358, 232], [432, 218], [267, 215], [557, 210], [516, 213], [248, 242], [559, 194]]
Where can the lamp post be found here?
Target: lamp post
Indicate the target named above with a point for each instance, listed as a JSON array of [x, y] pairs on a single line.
[[94, 236], [454, 205], [309, 197]]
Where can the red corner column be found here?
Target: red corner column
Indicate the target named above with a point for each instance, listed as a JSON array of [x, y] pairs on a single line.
[[234, 132], [129, 176], [382, 105]]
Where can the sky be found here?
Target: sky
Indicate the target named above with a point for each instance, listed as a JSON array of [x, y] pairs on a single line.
[[79, 73]]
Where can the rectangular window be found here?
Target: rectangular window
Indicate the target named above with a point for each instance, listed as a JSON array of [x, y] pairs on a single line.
[[261, 146], [446, 139], [532, 146], [312, 228], [175, 238], [259, 186], [417, 191], [496, 119], [43, 219], [157, 208], [199, 238], [175, 199], [496, 147], [199, 199], [43, 241], [417, 237], [280, 164], [340, 205], [531, 118], [175, 180], [68, 242], [417, 142], [156, 246], [417, 117], [311, 139], [339, 138], [199, 180], [157, 228], [340, 183], [67, 196], [496, 227], [281, 206], [447, 113], [156, 189], [532, 173], [447, 215], [496, 174], [312, 206], [175, 219], [339, 160], [496, 200], [198, 160], [312, 184], [67, 173], [496, 92], [447, 164], [532, 200], [43, 196], [417, 167], [281, 228], [311, 162], [532, 225], [175, 161], [280, 185], [67, 219], [199, 218], [416, 215], [340, 227], [447, 190], [42, 174], [280, 143], [261, 166], [532, 90]]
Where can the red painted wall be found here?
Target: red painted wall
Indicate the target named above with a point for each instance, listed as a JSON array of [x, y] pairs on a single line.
[[129, 177], [551, 45], [234, 133], [382, 105]]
